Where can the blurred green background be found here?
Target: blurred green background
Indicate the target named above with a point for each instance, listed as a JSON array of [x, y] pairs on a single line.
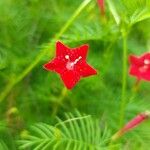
[[29, 94]]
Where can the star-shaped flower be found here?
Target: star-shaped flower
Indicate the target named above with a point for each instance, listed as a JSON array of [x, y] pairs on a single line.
[[140, 66], [70, 64]]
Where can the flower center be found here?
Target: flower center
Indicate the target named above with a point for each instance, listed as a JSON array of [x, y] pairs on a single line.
[[147, 61], [70, 64], [145, 66]]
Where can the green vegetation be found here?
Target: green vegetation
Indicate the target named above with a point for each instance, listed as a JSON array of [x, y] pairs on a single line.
[[36, 111]]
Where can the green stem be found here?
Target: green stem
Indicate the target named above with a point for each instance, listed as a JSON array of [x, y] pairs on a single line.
[[74, 16], [60, 100], [136, 85], [124, 78], [11, 84]]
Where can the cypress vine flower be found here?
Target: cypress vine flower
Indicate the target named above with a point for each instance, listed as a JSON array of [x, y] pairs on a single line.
[[140, 66], [132, 124], [70, 64]]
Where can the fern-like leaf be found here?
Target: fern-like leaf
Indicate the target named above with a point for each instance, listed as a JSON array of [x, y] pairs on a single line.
[[77, 132]]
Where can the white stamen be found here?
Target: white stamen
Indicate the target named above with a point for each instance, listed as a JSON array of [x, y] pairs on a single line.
[[70, 65], [67, 57], [77, 59], [147, 62]]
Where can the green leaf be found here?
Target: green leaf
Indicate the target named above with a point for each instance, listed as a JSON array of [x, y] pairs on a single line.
[[140, 15], [76, 132], [113, 10]]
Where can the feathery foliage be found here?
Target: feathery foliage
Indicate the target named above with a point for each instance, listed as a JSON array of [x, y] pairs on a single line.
[[130, 12], [76, 132]]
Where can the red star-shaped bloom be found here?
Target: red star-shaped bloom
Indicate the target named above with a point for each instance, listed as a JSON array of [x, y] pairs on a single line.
[[140, 66], [70, 64]]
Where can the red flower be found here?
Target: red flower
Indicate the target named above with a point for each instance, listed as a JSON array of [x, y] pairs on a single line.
[[140, 66], [132, 124], [71, 64], [101, 6]]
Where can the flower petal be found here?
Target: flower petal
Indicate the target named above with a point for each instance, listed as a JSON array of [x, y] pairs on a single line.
[[140, 73], [146, 76], [135, 60], [70, 78], [84, 69], [80, 51], [61, 49], [134, 70], [57, 65], [145, 56]]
